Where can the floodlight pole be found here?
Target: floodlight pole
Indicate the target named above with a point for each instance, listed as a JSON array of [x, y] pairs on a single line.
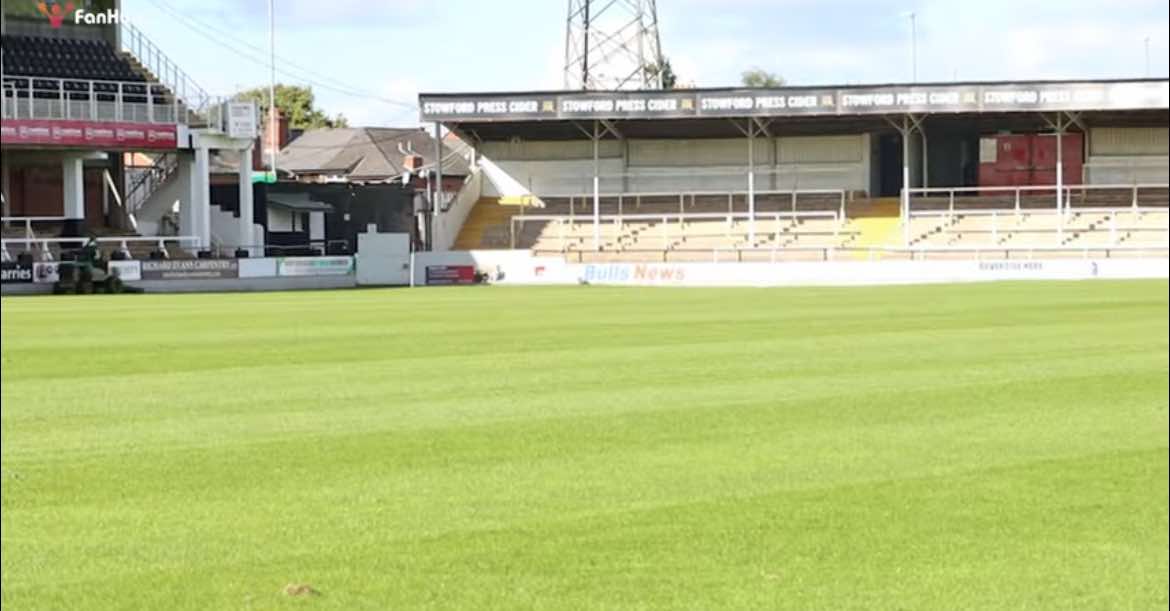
[[913, 47], [1147, 42], [273, 124]]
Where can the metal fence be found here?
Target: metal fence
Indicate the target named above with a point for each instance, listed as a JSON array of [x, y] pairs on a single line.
[[86, 100]]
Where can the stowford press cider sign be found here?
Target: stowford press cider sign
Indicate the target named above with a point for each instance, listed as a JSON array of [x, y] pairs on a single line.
[[798, 101]]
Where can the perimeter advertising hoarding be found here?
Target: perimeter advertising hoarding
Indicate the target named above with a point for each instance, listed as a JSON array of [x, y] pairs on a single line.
[[14, 272], [449, 275], [45, 272], [89, 134], [191, 269], [314, 266], [798, 101], [128, 271]]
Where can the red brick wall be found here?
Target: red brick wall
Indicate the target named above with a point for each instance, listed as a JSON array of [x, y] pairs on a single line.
[[38, 191]]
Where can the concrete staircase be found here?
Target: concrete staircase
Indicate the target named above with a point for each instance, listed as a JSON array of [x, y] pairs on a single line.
[[190, 118], [876, 222], [486, 227]]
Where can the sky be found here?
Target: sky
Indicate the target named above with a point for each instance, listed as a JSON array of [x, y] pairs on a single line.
[[369, 59]]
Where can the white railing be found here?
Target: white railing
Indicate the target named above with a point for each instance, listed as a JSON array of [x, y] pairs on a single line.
[[671, 225], [35, 97], [45, 244], [831, 253], [584, 201], [28, 221], [646, 180], [168, 72], [1026, 252], [1133, 191], [1008, 222]]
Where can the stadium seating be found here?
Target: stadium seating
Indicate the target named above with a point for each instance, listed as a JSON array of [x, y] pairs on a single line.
[[716, 228], [79, 64], [1089, 228], [673, 229]]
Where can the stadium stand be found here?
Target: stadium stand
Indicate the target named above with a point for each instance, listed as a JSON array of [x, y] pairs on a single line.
[[681, 228], [47, 68], [676, 228], [1092, 218], [65, 58]]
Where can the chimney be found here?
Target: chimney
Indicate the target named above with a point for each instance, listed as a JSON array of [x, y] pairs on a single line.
[[412, 162], [278, 140]]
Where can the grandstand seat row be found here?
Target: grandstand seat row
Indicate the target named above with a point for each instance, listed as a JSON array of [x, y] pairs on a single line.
[[65, 58]]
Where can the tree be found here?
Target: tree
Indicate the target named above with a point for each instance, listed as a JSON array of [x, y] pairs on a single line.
[[298, 104], [757, 77], [669, 78]]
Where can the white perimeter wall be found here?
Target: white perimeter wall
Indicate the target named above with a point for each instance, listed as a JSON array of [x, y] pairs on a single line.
[[648, 166], [521, 267], [1127, 155]]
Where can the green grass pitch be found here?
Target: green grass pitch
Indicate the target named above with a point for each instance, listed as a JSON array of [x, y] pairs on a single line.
[[997, 446]]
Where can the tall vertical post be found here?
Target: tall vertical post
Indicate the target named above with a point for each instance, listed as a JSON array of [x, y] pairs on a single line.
[[906, 180], [73, 183], [913, 47], [596, 186], [202, 180], [4, 186], [437, 207], [1147, 45], [273, 123], [925, 156], [1060, 175], [188, 223], [247, 222], [751, 195]]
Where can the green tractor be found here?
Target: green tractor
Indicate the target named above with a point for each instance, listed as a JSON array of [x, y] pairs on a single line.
[[89, 273]]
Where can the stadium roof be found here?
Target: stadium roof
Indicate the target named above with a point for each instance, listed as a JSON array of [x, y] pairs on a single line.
[[691, 113]]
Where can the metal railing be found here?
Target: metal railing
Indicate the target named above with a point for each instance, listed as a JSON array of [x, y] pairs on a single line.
[[833, 253], [1133, 191], [35, 97], [136, 43], [45, 244], [584, 201], [28, 221], [649, 180], [672, 225], [146, 179]]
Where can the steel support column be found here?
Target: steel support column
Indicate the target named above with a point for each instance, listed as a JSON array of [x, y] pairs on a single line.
[[596, 186], [1063, 121], [437, 203], [247, 231], [909, 124], [751, 194]]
